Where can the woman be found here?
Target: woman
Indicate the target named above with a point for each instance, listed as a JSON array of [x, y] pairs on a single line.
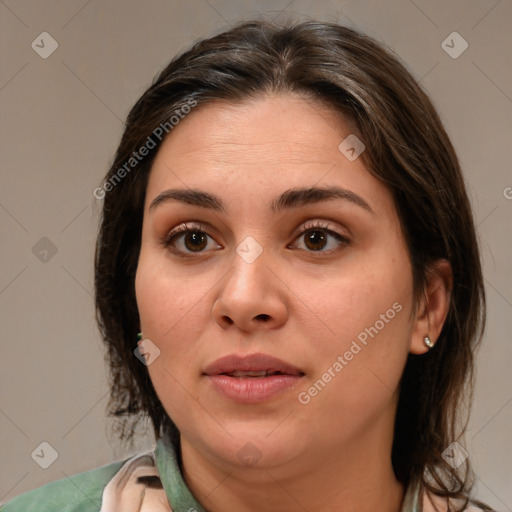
[[287, 234]]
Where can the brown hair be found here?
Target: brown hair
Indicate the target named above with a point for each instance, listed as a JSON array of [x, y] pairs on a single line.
[[407, 149]]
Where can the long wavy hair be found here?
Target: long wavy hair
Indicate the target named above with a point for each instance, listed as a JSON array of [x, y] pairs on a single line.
[[407, 149]]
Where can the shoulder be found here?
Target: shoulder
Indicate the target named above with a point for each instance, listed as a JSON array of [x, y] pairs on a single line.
[[78, 493]]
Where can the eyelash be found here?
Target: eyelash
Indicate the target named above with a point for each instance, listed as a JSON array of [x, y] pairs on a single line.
[[183, 229]]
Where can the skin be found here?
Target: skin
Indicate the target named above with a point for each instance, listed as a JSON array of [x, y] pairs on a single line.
[[334, 453]]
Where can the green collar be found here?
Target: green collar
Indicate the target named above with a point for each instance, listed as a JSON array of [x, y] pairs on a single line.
[[182, 500], [178, 494]]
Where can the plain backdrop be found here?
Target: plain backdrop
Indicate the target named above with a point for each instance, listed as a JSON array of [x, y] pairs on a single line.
[[62, 117]]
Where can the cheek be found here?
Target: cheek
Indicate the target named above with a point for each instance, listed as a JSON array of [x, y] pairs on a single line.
[[172, 308], [365, 320], [173, 314], [369, 297]]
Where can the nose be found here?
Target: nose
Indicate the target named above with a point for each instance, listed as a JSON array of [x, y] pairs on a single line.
[[251, 297]]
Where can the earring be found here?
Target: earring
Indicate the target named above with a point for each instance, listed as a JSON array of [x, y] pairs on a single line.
[[428, 342], [139, 336]]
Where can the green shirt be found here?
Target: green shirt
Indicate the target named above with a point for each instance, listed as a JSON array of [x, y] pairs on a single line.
[[148, 482]]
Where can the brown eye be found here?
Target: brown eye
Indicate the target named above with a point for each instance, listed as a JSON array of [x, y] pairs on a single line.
[[315, 240], [185, 240], [321, 238], [195, 240]]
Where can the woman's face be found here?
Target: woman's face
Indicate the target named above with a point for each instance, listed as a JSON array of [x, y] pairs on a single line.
[[271, 269]]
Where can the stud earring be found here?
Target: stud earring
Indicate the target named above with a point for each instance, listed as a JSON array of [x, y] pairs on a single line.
[[428, 342], [139, 336]]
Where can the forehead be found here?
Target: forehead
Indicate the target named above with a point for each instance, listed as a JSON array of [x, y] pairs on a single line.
[[262, 144], [276, 126]]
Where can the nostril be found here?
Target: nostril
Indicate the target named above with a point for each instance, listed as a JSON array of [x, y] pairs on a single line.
[[263, 317]]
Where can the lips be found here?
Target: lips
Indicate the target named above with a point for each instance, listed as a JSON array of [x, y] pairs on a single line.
[[252, 379], [252, 366]]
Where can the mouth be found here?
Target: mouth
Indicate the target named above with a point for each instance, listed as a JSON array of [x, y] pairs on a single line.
[[244, 373], [254, 378], [252, 366]]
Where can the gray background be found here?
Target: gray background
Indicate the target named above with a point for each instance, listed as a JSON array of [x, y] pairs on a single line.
[[61, 122]]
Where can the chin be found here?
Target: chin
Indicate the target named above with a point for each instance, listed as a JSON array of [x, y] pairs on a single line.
[[254, 446]]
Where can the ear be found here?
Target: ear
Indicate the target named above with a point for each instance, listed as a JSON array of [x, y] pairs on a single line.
[[433, 306]]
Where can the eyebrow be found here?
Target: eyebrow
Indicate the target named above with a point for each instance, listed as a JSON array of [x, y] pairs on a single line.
[[292, 198]]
